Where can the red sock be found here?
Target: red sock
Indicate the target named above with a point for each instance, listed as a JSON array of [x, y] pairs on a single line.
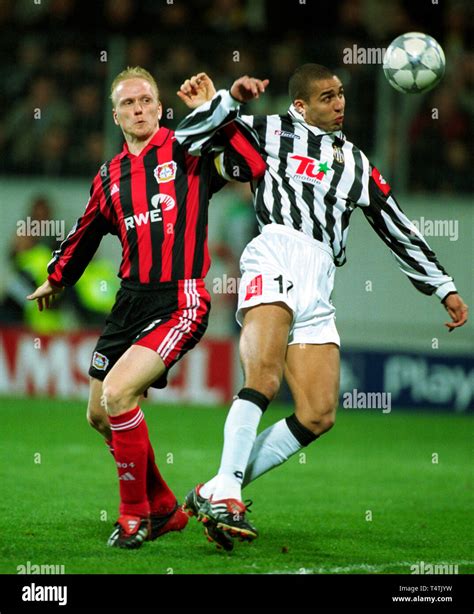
[[130, 443], [161, 498]]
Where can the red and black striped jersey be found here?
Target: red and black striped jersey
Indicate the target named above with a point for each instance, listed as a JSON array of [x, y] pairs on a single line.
[[157, 204]]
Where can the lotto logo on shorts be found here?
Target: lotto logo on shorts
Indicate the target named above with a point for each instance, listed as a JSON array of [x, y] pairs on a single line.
[[254, 288], [99, 361]]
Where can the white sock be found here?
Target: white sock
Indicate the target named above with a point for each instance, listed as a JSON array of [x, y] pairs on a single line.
[[240, 432], [207, 490], [272, 447]]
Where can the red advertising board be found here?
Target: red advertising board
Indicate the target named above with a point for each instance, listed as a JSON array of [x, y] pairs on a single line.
[[57, 366]]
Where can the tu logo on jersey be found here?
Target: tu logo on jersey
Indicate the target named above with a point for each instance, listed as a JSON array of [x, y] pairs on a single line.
[[309, 170]]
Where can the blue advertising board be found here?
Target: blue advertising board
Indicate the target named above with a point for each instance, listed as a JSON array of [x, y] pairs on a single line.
[[405, 380], [413, 380]]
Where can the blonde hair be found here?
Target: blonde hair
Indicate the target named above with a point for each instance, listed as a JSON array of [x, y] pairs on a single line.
[[135, 72]]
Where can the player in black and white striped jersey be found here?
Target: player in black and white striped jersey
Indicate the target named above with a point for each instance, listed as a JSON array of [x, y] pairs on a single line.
[[315, 178]]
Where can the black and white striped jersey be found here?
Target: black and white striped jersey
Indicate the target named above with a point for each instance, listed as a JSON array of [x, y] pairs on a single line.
[[313, 182]]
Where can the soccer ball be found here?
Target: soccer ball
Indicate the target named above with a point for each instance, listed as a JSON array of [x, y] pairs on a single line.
[[414, 63]]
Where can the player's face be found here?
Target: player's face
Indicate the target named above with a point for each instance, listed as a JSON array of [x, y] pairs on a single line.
[[325, 108], [137, 109]]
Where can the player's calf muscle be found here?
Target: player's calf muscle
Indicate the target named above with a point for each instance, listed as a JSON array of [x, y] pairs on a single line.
[[96, 414], [98, 421]]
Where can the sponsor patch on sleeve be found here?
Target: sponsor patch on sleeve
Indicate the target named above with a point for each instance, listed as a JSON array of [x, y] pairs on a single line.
[[380, 181], [254, 288]]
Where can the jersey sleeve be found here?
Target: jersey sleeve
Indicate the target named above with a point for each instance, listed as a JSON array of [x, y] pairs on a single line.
[[414, 256], [78, 248], [214, 129], [239, 159]]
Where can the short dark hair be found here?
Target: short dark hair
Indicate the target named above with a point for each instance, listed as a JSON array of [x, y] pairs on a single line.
[[301, 80]]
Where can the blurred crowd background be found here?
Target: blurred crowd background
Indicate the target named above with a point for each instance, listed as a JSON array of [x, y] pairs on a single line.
[[51, 60], [58, 57]]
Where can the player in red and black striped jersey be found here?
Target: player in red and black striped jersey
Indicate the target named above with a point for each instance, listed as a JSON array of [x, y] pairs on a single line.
[[154, 196]]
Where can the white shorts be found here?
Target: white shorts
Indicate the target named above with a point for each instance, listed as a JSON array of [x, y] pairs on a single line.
[[285, 266]]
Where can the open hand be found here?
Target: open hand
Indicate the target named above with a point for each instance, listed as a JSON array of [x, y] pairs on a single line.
[[197, 90], [247, 88], [457, 309], [44, 295]]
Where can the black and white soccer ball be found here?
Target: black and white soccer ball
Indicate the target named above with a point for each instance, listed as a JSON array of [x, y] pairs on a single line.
[[414, 63]]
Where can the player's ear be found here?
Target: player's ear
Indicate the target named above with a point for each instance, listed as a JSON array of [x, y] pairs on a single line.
[[160, 110], [300, 106], [114, 114]]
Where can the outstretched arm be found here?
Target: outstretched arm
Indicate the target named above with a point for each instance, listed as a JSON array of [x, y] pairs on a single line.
[[199, 89], [414, 256], [212, 110], [214, 127], [78, 248], [75, 252]]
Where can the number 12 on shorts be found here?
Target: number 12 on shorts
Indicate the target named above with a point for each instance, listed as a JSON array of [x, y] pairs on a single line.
[[279, 279]]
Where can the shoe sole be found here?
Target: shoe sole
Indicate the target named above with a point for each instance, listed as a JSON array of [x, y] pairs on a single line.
[[193, 513], [228, 547], [220, 546], [243, 534]]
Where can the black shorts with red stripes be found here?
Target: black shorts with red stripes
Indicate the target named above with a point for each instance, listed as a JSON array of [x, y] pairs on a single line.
[[169, 318]]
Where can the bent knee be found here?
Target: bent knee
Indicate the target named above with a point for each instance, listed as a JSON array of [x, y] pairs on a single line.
[[264, 378], [118, 397], [318, 420], [268, 386], [325, 422]]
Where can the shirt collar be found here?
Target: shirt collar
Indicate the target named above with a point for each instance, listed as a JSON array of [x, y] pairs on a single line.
[[157, 140], [297, 117]]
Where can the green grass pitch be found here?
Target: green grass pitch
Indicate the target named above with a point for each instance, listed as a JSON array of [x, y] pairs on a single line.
[[60, 495]]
